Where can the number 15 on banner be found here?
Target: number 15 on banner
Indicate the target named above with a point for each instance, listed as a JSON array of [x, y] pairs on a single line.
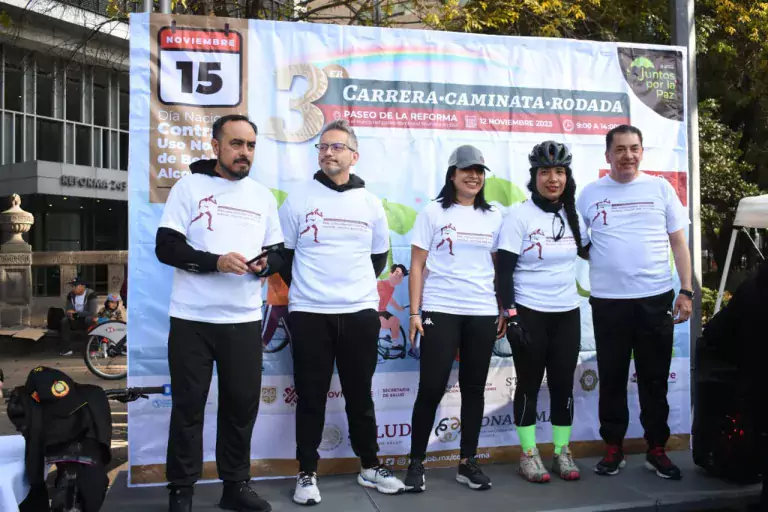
[[200, 67]]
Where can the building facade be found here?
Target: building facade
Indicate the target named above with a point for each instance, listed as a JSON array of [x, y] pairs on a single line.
[[64, 97]]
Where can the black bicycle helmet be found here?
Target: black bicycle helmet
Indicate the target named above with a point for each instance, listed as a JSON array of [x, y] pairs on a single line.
[[550, 154]]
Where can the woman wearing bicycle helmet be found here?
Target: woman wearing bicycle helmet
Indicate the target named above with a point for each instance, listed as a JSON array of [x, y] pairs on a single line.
[[538, 247], [111, 310], [455, 238]]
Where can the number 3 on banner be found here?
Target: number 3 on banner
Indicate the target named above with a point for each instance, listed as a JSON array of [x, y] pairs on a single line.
[[312, 117]]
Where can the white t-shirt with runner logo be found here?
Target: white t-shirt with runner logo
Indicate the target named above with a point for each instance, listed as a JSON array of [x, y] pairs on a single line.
[[630, 225], [220, 216], [333, 235], [545, 275], [460, 271]]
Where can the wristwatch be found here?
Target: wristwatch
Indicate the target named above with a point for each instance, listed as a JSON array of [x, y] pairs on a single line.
[[687, 293], [509, 313]]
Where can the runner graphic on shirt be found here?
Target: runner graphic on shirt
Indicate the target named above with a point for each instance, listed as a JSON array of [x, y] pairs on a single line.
[[601, 210], [311, 220], [447, 233], [535, 238], [204, 206]]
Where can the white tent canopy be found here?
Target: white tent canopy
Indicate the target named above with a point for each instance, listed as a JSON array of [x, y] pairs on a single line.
[[751, 213]]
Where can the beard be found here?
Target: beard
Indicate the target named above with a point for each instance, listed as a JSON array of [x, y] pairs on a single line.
[[236, 175], [332, 168]]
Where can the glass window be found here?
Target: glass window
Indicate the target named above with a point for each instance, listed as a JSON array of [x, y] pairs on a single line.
[[100, 97], [74, 94], [88, 96], [29, 84], [19, 133], [63, 231], [114, 101], [46, 281], [124, 101], [7, 139], [14, 82], [105, 149], [123, 151], [97, 147], [30, 139], [114, 161], [44, 86], [82, 145], [69, 144], [49, 140]]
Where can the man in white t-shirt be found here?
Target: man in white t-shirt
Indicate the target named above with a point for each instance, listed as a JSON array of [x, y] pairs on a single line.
[[214, 226], [337, 238], [635, 218]]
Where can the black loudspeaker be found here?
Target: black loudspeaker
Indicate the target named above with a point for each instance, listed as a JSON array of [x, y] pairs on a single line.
[[725, 440], [55, 315]]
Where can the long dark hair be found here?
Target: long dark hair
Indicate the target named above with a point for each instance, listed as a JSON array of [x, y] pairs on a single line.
[[567, 200], [447, 195]]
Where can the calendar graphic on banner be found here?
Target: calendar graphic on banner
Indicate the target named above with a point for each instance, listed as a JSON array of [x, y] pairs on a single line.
[[200, 67]]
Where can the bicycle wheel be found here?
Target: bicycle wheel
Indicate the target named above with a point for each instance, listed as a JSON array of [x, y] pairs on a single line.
[[280, 339], [104, 360]]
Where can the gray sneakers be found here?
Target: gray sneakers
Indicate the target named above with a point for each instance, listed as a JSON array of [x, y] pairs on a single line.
[[564, 466], [531, 467]]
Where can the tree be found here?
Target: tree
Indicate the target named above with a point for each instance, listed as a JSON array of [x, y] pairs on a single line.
[[723, 174]]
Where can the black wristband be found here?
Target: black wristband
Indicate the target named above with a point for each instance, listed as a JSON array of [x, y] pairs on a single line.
[[687, 293]]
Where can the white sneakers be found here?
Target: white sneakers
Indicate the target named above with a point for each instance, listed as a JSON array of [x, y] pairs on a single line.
[[306, 492], [380, 478]]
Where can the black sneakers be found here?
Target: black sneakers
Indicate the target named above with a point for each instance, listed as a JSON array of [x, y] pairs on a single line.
[[612, 461], [414, 480], [470, 474], [657, 460], [241, 497], [180, 499]]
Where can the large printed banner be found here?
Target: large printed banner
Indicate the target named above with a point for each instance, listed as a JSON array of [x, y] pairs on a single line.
[[413, 96]]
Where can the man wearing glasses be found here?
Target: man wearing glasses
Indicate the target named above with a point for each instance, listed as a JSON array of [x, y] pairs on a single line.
[[337, 239]]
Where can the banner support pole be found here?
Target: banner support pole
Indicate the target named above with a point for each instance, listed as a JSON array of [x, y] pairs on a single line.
[[684, 34]]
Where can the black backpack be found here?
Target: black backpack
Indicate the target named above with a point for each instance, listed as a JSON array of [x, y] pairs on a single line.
[[68, 424]]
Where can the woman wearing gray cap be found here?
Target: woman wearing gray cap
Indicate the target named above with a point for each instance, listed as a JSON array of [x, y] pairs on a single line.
[[454, 239]]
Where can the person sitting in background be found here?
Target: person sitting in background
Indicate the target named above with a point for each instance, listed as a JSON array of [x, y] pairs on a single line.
[[79, 312], [112, 309]]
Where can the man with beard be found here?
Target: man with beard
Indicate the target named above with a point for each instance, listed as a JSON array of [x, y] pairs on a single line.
[[332, 306], [635, 219], [214, 226]]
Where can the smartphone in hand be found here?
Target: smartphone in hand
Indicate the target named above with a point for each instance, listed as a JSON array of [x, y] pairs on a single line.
[[257, 258]]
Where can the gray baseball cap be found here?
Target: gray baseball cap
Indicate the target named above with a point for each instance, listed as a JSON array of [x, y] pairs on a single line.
[[466, 156]]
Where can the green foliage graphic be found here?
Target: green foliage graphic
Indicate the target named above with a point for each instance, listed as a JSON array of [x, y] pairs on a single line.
[[503, 191], [642, 62], [280, 196], [400, 219]]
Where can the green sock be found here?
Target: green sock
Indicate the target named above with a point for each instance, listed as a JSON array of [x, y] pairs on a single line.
[[560, 437], [527, 437]]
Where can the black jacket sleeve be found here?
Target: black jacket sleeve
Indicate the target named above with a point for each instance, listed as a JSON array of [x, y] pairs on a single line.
[[287, 266], [506, 262], [379, 262], [275, 259], [172, 248]]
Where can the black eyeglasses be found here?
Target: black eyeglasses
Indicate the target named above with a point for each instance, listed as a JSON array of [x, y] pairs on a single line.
[[336, 147], [561, 229]]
